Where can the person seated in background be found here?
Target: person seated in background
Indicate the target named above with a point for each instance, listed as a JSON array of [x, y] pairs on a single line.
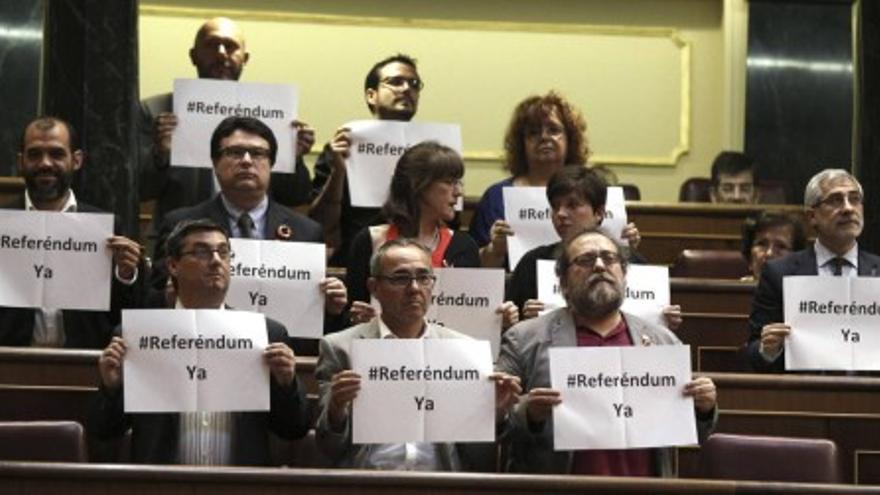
[[577, 201], [545, 133], [198, 263], [733, 179], [834, 206], [592, 275], [425, 187], [48, 158], [401, 280], [218, 52], [769, 236], [391, 91]]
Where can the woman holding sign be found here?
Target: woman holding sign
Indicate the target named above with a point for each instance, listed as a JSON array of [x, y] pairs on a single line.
[[545, 133], [425, 188]]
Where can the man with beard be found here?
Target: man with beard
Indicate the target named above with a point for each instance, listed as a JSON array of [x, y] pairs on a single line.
[[834, 206], [218, 52], [391, 90], [591, 273], [48, 158]]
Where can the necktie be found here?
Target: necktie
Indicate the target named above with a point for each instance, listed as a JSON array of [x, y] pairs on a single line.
[[246, 226], [837, 265]]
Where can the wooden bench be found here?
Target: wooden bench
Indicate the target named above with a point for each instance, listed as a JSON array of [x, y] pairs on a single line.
[[20, 478]]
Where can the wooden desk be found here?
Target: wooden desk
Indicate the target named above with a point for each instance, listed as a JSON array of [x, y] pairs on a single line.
[[669, 228], [841, 408], [708, 295], [23, 478]]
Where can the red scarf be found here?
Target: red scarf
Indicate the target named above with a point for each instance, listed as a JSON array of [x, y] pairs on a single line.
[[439, 250]]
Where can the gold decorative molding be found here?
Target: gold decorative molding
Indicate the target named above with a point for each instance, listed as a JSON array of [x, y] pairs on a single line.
[[481, 157]]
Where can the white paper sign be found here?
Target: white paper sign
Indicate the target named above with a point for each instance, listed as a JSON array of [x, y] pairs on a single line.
[[529, 215], [201, 104], [377, 145], [549, 291], [281, 280], [48, 258], [834, 323], [181, 360], [423, 390], [647, 290], [615, 214], [465, 299], [622, 397]]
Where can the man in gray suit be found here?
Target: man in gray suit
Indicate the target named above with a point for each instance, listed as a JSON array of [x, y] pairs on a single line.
[[592, 277], [401, 280]]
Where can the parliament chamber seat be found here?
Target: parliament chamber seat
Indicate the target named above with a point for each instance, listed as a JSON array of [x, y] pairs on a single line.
[[710, 263], [59, 441], [760, 458], [695, 190]]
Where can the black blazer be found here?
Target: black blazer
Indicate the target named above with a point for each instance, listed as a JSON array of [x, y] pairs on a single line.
[[82, 329], [154, 436], [303, 229], [767, 303]]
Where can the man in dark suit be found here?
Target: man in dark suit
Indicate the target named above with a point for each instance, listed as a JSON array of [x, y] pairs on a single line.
[[198, 263], [391, 92], [48, 159], [243, 150], [218, 52], [834, 207]]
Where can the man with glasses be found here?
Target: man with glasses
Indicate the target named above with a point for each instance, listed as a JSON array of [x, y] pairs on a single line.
[[391, 90], [243, 150], [218, 52], [198, 262], [733, 179], [833, 204], [591, 274], [401, 280]]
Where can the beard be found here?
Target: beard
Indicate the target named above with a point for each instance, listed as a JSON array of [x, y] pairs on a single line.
[[47, 192], [596, 296]]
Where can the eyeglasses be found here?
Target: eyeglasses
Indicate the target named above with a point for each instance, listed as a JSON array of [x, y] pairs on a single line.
[[837, 199], [397, 82], [403, 280], [205, 253], [588, 260], [453, 182], [237, 153]]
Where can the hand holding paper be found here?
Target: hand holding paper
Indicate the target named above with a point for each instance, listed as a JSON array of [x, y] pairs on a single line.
[[344, 387], [282, 363], [110, 364]]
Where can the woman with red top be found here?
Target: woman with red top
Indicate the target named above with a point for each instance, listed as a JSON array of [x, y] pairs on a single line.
[[425, 188]]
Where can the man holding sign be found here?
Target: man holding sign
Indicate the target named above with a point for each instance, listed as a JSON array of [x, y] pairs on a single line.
[[48, 159], [833, 204], [243, 150], [592, 275], [218, 52], [391, 91], [402, 281], [198, 263]]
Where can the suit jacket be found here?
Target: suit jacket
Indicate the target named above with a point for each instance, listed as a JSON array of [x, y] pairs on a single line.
[[525, 353], [178, 187], [334, 357], [82, 329], [767, 303], [154, 437], [303, 229]]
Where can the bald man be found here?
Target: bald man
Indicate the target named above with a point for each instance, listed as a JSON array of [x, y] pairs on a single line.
[[219, 52]]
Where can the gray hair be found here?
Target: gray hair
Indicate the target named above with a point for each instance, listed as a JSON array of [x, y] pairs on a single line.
[[813, 191], [376, 259]]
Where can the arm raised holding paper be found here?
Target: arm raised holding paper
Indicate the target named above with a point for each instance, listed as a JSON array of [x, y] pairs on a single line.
[[592, 276]]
